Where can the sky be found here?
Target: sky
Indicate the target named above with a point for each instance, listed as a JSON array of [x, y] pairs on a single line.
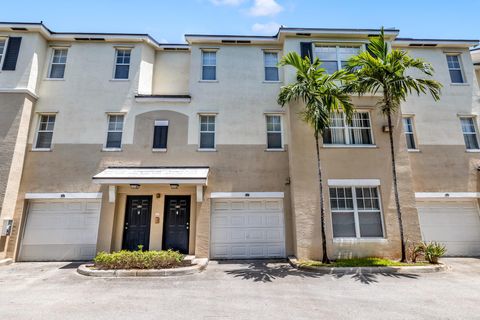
[[168, 21]]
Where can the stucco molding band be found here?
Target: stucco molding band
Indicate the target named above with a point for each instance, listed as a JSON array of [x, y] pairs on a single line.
[[354, 182], [446, 195], [68, 195], [20, 90], [220, 195]]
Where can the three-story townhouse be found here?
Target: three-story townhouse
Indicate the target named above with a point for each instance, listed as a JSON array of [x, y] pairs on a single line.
[[114, 140]]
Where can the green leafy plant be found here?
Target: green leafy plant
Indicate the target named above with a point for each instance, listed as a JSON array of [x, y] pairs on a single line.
[[138, 260], [433, 251], [357, 262], [414, 251]]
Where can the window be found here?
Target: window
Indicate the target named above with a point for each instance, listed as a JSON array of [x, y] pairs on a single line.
[[409, 135], [358, 132], [207, 132], [356, 212], [469, 131], [271, 68], [335, 58], [57, 67], [209, 65], [274, 132], [115, 131], [122, 63], [455, 69], [45, 131], [3, 43], [160, 135]]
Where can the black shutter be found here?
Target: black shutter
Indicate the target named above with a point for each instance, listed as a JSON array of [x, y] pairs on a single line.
[[160, 136], [306, 50], [11, 56]]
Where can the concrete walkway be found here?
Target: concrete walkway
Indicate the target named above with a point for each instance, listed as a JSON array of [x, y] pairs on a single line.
[[240, 290]]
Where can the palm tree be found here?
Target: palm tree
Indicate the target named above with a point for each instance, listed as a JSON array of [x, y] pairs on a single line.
[[322, 95], [383, 70]]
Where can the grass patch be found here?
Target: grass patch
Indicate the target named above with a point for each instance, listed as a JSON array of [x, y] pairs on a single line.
[[138, 260], [360, 262]]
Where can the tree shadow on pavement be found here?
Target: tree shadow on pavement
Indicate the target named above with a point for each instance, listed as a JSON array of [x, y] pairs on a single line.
[[265, 271]]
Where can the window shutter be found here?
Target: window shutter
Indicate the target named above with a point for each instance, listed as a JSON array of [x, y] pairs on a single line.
[[11, 56], [306, 50], [160, 137]]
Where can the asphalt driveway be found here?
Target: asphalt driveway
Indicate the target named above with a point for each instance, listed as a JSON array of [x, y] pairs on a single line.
[[241, 290]]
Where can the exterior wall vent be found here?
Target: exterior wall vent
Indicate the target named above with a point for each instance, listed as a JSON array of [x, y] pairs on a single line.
[[18, 29], [422, 45], [89, 39], [303, 34]]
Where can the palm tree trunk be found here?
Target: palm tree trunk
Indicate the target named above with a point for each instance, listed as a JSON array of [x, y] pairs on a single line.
[[395, 184], [322, 208]]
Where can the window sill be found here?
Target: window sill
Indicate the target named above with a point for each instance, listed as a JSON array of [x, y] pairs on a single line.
[[413, 150], [119, 80], [42, 150], [207, 150], [472, 151], [159, 150], [275, 150], [464, 84], [54, 79], [345, 146], [208, 81], [359, 240], [267, 81], [111, 149]]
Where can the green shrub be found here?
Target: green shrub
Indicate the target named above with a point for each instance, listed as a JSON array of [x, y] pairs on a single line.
[[433, 251], [138, 260]]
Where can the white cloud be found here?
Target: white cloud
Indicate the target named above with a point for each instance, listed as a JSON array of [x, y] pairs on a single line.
[[270, 28], [226, 2], [265, 8]]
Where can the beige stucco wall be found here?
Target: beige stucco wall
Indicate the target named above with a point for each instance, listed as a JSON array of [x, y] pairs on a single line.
[[442, 163], [238, 168], [171, 74]]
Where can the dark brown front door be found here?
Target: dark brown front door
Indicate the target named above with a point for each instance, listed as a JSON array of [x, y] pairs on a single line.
[[137, 222], [176, 224]]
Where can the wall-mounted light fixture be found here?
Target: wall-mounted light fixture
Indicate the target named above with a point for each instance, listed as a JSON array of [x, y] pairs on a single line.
[[174, 185], [134, 186]]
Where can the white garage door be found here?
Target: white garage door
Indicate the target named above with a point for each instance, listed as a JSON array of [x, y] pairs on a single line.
[[247, 228], [61, 230], [455, 224]]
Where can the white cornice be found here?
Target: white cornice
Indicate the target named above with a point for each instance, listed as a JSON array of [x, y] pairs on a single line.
[[20, 90]]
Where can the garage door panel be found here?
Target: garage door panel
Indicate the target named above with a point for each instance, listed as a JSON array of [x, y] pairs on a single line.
[[61, 230], [250, 228], [456, 224]]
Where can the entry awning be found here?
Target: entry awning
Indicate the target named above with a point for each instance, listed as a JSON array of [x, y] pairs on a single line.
[[153, 175]]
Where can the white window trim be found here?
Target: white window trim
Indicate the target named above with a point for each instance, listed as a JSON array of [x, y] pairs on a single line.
[[414, 132], [277, 52], [353, 182], [39, 115], [108, 114], [357, 237], [202, 50], [51, 63], [462, 71], [474, 120], [4, 51], [123, 64], [346, 129], [337, 45], [282, 135], [200, 115]]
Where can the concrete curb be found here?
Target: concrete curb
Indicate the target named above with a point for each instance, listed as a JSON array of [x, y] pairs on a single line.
[[198, 266], [6, 262], [355, 270]]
